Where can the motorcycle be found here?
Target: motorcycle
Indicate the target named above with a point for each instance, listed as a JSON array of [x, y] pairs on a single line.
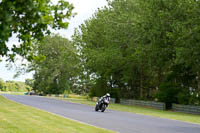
[[102, 104]]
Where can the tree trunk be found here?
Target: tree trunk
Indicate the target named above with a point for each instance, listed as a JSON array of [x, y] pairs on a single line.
[[159, 76], [141, 83], [198, 85], [141, 89], [198, 81]]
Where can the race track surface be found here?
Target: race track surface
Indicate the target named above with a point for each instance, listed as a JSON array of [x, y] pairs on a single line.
[[114, 120]]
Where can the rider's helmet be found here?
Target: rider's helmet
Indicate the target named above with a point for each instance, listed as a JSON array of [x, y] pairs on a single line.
[[107, 95]]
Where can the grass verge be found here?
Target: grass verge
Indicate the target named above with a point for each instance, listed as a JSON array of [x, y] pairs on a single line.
[[18, 118], [11, 92], [143, 110]]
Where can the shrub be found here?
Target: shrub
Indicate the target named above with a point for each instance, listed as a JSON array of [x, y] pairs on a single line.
[[184, 96], [167, 93]]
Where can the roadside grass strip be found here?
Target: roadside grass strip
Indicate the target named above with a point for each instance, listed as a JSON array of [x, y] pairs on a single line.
[[13, 93], [190, 118], [18, 118]]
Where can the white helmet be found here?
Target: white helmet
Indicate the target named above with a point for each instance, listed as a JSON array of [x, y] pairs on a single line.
[[108, 95]]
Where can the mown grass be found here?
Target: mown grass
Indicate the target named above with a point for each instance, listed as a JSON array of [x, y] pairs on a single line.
[[142, 110], [11, 92], [18, 118]]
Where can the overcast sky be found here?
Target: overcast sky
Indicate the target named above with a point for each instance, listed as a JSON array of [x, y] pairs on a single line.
[[84, 8]]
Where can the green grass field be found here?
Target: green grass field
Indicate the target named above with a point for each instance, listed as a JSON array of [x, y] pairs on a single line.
[[142, 110], [18, 118]]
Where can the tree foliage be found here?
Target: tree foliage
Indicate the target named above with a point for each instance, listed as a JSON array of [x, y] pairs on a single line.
[[30, 20], [53, 74], [14, 86], [134, 46], [1, 84]]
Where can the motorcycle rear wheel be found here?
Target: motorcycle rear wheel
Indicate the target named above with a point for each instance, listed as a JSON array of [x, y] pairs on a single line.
[[103, 108]]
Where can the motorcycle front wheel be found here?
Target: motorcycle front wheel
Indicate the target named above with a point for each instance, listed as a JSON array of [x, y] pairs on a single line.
[[96, 108]]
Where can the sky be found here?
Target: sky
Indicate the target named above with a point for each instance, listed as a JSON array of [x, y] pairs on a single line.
[[84, 10]]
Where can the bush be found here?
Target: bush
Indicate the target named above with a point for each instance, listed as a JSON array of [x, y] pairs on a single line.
[[99, 88], [167, 93], [14, 86], [184, 96], [115, 93], [97, 92], [194, 99]]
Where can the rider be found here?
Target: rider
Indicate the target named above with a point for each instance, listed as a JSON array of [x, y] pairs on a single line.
[[107, 97]]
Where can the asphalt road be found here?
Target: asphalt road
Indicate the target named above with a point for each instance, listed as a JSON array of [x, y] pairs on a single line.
[[114, 120]]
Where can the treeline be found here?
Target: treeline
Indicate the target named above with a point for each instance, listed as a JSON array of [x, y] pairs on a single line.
[[135, 49], [14, 86], [143, 49]]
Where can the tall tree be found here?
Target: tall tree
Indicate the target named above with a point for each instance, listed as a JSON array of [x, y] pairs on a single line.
[[1, 84], [29, 82], [104, 41], [54, 73]]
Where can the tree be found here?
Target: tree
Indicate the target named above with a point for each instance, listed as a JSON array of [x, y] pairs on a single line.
[[29, 82], [1, 84], [135, 46], [188, 48], [15, 86], [171, 30], [107, 47], [30, 20], [53, 74]]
